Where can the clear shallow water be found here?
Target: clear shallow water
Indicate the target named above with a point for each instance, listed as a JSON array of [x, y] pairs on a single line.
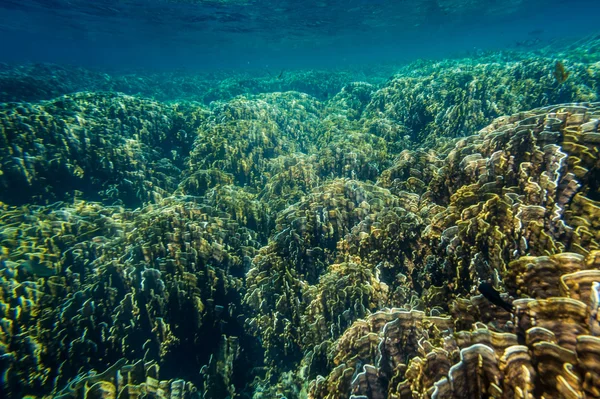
[[258, 34]]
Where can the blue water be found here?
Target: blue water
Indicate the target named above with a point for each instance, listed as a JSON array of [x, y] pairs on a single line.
[[208, 34]]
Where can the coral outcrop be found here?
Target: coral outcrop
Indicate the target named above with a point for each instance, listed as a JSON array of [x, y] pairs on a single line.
[[89, 285], [287, 245], [242, 135], [110, 147], [506, 202], [456, 98]]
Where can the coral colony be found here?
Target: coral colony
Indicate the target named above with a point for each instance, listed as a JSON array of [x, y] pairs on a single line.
[[307, 235]]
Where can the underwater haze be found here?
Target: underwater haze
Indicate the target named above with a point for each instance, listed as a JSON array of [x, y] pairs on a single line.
[[243, 199], [200, 34]]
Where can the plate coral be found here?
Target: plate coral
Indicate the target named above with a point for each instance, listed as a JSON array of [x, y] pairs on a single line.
[[304, 235]]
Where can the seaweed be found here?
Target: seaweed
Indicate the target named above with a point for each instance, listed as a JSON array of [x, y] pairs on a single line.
[[560, 73]]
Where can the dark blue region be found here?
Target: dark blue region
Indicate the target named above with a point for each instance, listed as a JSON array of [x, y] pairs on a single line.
[[204, 34]]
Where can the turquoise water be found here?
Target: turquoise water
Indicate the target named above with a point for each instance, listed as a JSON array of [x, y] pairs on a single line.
[[272, 34]]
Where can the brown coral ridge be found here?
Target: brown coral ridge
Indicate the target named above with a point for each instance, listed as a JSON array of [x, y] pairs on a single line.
[[504, 193], [111, 147], [504, 207], [513, 190], [404, 354], [161, 284]]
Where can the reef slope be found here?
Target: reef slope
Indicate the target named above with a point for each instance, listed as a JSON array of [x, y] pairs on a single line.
[[278, 245]]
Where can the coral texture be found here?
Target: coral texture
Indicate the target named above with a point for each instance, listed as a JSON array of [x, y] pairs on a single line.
[[282, 245]]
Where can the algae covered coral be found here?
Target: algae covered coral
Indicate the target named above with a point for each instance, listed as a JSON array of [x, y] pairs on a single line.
[[283, 244]]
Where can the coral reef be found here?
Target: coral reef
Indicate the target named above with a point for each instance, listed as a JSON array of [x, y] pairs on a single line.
[[111, 147], [35, 82], [303, 244], [160, 284], [242, 135], [276, 245], [40, 81], [456, 98], [126, 380], [507, 205], [546, 352]]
